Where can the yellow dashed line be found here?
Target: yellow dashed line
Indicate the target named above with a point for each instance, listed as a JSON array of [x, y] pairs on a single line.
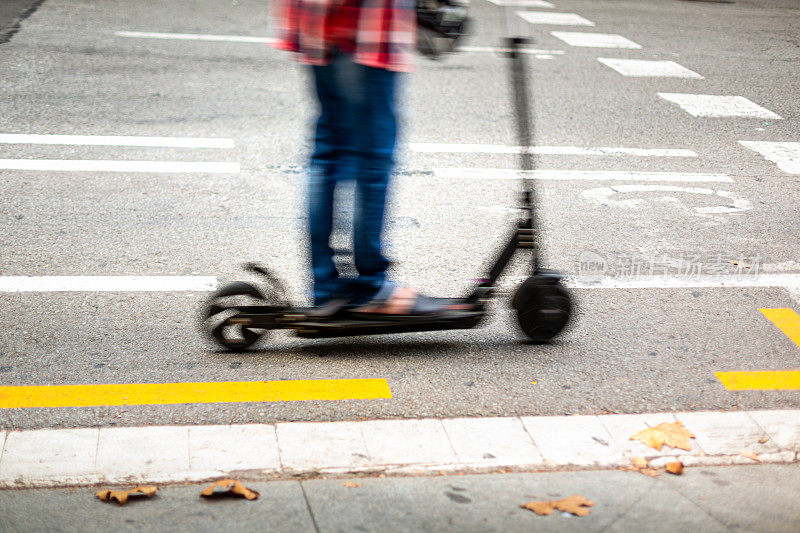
[[202, 392], [787, 320], [760, 380]]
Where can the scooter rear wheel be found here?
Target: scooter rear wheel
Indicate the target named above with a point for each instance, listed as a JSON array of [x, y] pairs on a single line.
[[222, 306], [543, 307]]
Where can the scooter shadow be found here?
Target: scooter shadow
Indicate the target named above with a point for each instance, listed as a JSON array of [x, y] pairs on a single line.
[[384, 348]]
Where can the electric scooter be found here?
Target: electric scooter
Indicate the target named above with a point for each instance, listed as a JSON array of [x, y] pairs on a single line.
[[240, 314]]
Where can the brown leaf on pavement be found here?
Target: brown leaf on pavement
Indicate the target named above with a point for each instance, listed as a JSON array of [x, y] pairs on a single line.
[[750, 455], [231, 486], [575, 504], [121, 496], [672, 434], [350, 484], [540, 508], [675, 468], [639, 462]]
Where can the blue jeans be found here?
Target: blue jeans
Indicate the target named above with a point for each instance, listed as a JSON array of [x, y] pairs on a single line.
[[354, 140]]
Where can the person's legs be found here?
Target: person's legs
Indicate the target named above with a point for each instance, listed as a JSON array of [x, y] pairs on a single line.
[[331, 161], [376, 132]]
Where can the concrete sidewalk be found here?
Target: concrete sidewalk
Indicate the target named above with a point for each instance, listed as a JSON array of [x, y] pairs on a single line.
[[742, 498], [165, 454]]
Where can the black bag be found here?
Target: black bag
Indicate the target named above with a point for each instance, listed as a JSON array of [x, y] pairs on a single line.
[[441, 23]]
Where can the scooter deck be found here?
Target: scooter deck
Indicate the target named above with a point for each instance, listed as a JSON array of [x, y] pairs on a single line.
[[345, 327]]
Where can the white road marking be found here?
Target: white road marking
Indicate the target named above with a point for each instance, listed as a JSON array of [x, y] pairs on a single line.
[[95, 165], [648, 68], [785, 154], [579, 175], [196, 37], [595, 40], [56, 457], [785, 281], [522, 3], [709, 105], [603, 196], [116, 140], [269, 40], [549, 150], [500, 50], [560, 19], [107, 283]]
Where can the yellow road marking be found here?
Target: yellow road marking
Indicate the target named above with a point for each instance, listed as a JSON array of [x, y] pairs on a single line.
[[203, 392], [760, 380], [787, 320]]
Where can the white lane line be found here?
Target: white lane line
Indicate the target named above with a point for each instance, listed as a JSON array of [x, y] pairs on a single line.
[[268, 40], [55, 457], [500, 50], [95, 165], [107, 283], [579, 175], [784, 281], [603, 196], [116, 140], [595, 40], [710, 105], [195, 37], [522, 3], [560, 19], [785, 154], [649, 68], [549, 150]]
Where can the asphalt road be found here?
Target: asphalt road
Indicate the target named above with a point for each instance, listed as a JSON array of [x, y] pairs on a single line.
[[67, 71]]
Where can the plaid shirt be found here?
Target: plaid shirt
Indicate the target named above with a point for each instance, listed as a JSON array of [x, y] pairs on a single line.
[[379, 33]]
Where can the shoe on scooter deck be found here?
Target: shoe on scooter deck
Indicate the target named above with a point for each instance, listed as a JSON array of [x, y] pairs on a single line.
[[347, 323]]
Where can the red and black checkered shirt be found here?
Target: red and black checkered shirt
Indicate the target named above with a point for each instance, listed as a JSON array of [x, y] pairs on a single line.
[[378, 33]]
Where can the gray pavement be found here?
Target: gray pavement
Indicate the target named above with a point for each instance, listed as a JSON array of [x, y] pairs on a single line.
[[67, 72], [743, 498]]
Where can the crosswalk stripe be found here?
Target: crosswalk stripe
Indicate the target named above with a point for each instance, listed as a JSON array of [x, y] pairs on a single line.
[[785, 154], [712, 105], [95, 165], [549, 150], [116, 140], [579, 175], [106, 283], [595, 40], [195, 37], [559, 19], [648, 68], [501, 50]]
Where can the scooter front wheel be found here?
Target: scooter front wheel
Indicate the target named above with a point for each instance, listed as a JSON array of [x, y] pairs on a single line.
[[219, 319], [543, 307]]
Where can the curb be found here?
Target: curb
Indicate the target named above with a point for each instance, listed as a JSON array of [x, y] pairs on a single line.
[[167, 454]]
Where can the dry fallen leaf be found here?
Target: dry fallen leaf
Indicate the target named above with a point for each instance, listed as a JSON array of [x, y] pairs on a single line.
[[675, 468], [575, 504], [639, 462], [672, 434], [763, 440], [540, 508], [121, 496], [229, 486], [750, 455], [351, 484]]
